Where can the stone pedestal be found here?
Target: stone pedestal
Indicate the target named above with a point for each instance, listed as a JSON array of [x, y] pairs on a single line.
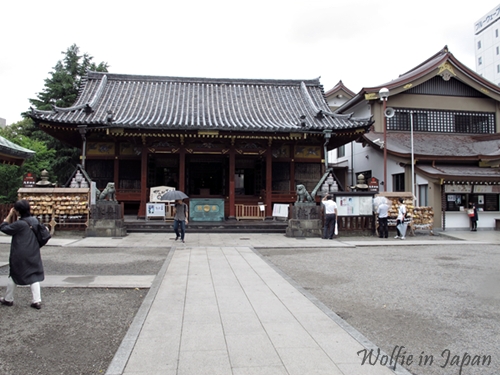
[[305, 221], [106, 220]]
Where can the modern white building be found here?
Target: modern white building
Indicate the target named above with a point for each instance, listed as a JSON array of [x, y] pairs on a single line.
[[487, 45]]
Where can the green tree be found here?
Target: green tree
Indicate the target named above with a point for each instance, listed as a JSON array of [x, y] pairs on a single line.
[[11, 176], [61, 90]]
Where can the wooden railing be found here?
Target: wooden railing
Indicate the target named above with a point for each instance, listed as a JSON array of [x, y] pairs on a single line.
[[252, 212]]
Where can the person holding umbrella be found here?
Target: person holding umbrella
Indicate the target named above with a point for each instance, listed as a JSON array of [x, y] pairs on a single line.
[[180, 219], [180, 211]]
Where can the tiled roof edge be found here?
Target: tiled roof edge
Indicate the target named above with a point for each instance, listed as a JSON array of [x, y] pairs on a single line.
[[232, 81]]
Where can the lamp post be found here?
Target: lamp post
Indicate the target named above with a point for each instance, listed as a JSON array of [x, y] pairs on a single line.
[[83, 131], [384, 94], [327, 133]]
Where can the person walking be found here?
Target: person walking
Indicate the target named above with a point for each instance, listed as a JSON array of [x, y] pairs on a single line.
[[180, 219], [25, 261], [383, 212], [401, 218], [474, 217], [330, 217]]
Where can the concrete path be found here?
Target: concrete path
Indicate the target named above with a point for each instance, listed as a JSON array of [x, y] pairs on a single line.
[[217, 307]]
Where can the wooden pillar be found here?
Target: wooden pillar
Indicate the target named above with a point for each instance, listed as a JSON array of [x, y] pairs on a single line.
[[182, 167], [269, 180], [144, 182], [116, 166], [232, 171]]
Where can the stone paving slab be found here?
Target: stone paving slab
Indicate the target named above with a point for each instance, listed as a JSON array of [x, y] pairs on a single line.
[[225, 310]]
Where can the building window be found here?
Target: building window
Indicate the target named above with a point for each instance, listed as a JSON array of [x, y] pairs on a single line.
[[478, 44], [437, 121], [470, 124], [498, 50], [398, 182], [341, 151], [480, 61], [496, 33], [459, 202], [422, 195], [498, 68]]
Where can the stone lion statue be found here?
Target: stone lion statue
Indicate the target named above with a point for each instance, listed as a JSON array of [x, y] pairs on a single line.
[[109, 193], [303, 195]]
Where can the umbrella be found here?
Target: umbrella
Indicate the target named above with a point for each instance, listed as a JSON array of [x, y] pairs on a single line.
[[402, 229], [173, 195]]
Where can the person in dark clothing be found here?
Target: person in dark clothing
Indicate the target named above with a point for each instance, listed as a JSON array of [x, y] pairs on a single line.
[[180, 219], [474, 218], [25, 261]]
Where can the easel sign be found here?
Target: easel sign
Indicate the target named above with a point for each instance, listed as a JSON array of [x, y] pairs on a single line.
[[280, 210], [155, 210], [156, 192]]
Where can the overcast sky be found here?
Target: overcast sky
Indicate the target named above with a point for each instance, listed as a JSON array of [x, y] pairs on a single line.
[[361, 42]]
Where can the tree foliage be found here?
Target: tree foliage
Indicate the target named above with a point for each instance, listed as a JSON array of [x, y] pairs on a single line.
[[11, 176], [61, 90]]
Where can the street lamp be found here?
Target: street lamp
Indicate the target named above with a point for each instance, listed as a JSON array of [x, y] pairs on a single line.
[[383, 95]]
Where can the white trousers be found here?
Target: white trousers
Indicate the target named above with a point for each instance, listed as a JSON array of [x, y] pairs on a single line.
[[11, 288]]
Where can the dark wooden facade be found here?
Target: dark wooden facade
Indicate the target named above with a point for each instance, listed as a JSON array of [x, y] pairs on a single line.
[[244, 141]]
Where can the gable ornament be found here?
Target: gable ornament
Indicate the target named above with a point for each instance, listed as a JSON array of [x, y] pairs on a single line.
[[446, 71]]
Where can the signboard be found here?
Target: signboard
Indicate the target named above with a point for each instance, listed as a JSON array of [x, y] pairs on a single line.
[[373, 184], [156, 192], [280, 210], [93, 193], [29, 181], [487, 20], [354, 206], [458, 188], [155, 210]]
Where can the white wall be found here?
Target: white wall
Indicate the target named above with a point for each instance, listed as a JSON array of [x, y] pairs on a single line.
[[460, 220], [366, 158]]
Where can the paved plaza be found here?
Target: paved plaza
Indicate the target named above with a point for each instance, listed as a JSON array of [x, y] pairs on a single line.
[[218, 307]]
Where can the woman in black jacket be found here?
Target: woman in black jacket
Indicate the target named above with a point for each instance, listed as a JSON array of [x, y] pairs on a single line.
[[25, 261]]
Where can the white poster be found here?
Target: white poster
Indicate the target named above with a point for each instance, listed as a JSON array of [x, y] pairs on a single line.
[[280, 210], [155, 210]]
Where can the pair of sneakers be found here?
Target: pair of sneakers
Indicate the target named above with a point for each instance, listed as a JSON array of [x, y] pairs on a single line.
[[176, 238], [400, 237]]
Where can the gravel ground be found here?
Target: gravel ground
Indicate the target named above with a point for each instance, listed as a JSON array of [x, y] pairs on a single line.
[[78, 330], [429, 299], [441, 301]]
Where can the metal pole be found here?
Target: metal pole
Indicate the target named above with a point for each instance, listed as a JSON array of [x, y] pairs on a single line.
[[385, 143], [412, 159]]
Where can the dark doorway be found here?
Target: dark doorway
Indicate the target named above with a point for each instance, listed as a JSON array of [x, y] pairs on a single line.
[[163, 170], [206, 176]]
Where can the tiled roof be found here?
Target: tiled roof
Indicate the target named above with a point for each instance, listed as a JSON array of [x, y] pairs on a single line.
[[461, 172], [173, 103], [11, 151], [339, 87], [433, 64], [440, 146]]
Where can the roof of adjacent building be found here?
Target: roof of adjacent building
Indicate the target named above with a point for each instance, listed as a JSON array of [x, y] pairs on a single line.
[[459, 173], [176, 103], [439, 146], [340, 88], [443, 64], [11, 153]]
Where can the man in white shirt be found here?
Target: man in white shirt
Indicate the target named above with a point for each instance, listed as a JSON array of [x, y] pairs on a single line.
[[383, 212], [330, 216]]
